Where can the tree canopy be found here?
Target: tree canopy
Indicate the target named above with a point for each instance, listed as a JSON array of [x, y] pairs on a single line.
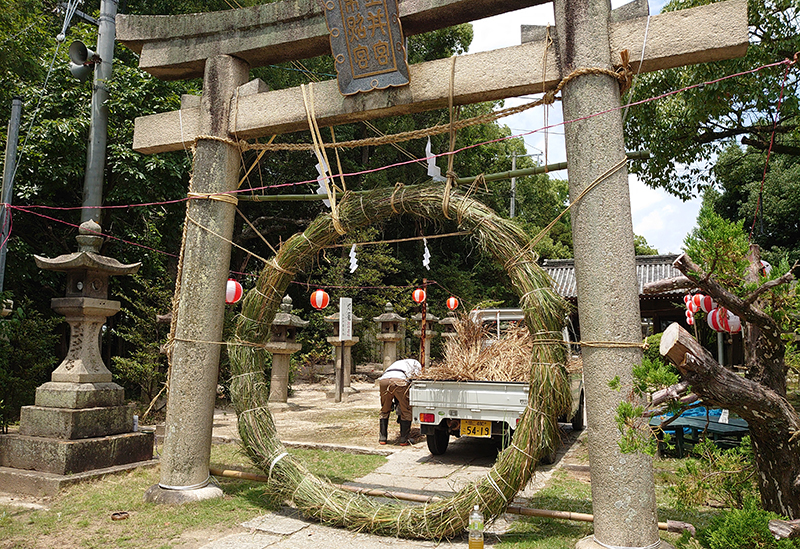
[[686, 132]]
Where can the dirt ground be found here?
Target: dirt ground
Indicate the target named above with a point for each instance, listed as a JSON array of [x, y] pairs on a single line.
[[312, 415]]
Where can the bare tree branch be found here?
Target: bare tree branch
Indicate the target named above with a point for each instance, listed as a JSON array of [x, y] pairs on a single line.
[[793, 274], [668, 284]]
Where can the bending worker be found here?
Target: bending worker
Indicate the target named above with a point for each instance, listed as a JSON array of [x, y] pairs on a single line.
[[394, 384]]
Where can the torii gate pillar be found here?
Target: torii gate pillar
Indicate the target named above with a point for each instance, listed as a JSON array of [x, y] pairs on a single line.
[[201, 306], [623, 494]]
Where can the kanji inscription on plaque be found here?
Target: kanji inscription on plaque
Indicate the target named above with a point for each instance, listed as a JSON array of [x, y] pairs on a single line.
[[367, 44]]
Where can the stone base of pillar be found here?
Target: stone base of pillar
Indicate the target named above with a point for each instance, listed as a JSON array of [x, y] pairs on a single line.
[[157, 494], [590, 543]]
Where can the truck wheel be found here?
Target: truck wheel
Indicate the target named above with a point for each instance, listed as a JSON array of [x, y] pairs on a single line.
[[578, 423], [437, 442]]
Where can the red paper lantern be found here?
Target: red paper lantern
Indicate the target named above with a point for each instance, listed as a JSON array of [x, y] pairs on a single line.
[[452, 303], [692, 306], [687, 298], [734, 323], [707, 304], [320, 299], [419, 295], [717, 319], [689, 318], [233, 291]]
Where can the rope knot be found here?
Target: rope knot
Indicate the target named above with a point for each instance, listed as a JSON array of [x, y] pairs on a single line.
[[549, 97], [624, 72]]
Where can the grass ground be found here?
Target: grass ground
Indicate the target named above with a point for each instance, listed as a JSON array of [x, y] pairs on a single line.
[[80, 517]]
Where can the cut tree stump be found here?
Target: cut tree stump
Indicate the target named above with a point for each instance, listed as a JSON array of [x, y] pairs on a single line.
[[676, 342]]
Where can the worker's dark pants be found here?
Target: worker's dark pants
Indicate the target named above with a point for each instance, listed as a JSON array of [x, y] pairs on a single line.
[[395, 388]]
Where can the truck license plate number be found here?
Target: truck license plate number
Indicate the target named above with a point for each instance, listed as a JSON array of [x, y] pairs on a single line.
[[476, 428]]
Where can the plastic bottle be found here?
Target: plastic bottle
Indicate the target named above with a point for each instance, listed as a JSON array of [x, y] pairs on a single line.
[[476, 529]]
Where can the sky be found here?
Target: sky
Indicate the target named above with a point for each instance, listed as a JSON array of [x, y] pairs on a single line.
[[662, 219]]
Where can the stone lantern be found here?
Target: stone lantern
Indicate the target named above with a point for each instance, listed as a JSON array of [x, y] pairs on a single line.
[[430, 321], [343, 363], [389, 326], [448, 325], [80, 421], [282, 343]]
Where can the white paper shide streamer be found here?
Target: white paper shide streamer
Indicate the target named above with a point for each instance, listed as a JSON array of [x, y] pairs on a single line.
[[433, 169], [353, 260]]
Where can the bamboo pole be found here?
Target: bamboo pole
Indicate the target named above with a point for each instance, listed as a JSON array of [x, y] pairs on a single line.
[[635, 155]]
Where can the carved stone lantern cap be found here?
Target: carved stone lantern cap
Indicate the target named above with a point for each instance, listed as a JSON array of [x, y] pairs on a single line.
[[428, 318], [389, 315], [87, 257], [285, 316], [449, 320], [335, 318]]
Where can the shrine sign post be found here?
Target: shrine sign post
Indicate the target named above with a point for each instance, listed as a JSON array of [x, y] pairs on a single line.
[[586, 36]]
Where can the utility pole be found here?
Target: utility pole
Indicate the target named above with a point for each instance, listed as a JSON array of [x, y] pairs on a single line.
[[513, 208], [98, 134], [8, 183]]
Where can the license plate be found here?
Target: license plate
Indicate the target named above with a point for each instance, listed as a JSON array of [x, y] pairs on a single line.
[[476, 428]]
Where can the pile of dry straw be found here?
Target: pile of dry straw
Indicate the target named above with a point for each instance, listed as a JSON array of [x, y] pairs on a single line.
[[474, 354]]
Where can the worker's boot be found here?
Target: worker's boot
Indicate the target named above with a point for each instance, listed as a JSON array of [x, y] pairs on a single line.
[[405, 427], [384, 431]]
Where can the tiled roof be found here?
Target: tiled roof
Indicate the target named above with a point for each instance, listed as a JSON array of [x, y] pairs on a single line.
[[649, 268]]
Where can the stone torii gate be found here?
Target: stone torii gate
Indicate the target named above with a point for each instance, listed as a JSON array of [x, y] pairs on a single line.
[[222, 47]]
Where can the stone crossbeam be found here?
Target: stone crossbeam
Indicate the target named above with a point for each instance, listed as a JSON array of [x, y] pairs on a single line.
[[708, 33], [175, 47]]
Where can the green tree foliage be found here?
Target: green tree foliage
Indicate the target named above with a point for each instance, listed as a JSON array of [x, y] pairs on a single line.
[[688, 130], [27, 358], [744, 529], [716, 476], [641, 247], [739, 172]]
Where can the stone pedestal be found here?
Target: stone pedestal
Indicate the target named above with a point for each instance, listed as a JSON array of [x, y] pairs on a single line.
[[342, 364], [79, 421], [282, 343], [281, 356], [389, 354]]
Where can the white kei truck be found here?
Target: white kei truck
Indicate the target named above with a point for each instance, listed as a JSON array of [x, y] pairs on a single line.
[[481, 409]]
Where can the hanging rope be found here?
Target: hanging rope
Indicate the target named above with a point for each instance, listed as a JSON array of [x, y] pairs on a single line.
[[451, 175], [322, 156]]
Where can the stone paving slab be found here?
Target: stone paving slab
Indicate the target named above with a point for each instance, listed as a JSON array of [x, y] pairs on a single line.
[[275, 523]]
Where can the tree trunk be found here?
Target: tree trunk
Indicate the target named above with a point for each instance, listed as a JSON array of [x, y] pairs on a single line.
[[763, 348], [773, 421]]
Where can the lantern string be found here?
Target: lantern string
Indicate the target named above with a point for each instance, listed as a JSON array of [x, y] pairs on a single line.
[[759, 203], [31, 208]]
